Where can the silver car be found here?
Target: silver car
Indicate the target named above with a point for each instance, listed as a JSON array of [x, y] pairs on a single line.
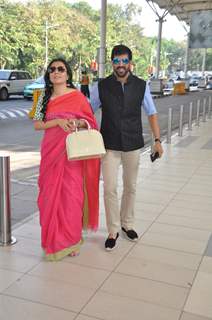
[[13, 82]]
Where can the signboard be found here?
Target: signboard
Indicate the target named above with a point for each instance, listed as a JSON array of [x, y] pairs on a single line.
[[201, 30]]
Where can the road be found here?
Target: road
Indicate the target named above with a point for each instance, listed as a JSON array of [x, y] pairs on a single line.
[[14, 107], [16, 130], [19, 138], [17, 133]]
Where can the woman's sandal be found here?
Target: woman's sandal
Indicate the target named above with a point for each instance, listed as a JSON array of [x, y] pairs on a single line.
[[74, 254]]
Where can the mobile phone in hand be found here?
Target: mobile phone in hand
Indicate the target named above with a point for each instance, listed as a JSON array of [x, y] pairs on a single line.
[[154, 156]]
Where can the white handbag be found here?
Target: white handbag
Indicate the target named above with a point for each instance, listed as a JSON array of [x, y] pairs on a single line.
[[85, 144]]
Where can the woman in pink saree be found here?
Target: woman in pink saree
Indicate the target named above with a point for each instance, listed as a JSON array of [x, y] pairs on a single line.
[[68, 190]]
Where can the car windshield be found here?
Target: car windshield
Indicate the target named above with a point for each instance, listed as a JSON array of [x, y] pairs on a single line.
[[4, 75], [40, 80]]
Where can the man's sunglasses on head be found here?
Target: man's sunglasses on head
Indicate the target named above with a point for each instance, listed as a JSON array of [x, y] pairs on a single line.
[[60, 69], [118, 60]]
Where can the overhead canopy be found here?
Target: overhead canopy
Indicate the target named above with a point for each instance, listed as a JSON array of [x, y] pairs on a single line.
[[183, 9]]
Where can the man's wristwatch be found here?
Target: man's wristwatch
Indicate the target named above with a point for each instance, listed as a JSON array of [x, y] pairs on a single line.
[[157, 140]]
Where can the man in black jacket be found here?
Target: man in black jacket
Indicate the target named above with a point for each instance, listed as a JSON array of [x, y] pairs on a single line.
[[121, 97]]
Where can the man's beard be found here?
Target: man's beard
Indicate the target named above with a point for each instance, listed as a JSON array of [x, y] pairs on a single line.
[[121, 72]]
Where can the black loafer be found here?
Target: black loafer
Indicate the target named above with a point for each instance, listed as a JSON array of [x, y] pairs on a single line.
[[110, 243], [130, 234]]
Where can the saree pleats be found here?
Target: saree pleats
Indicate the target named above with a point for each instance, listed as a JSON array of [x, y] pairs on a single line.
[[68, 190]]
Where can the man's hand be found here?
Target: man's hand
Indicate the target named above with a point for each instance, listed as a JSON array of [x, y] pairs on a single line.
[[153, 121], [158, 148]]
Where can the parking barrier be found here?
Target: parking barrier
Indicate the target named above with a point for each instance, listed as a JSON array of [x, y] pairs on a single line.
[[190, 116], [204, 111], [209, 108], [169, 130], [198, 112], [5, 209], [181, 121]]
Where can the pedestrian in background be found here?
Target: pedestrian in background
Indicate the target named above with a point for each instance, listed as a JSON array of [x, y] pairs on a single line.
[[85, 84], [68, 190], [121, 97]]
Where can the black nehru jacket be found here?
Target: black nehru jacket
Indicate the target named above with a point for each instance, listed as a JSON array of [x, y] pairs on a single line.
[[121, 125]]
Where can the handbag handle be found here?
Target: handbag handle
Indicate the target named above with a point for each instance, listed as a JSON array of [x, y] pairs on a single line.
[[87, 123]]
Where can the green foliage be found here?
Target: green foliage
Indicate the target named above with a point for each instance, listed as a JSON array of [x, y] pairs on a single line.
[[22, 34], [74, 32]]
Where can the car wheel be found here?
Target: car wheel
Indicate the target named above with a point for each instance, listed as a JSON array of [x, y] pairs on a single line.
[[4, 94]]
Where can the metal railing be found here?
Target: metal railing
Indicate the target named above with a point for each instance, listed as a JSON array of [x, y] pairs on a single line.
[[201, 115]]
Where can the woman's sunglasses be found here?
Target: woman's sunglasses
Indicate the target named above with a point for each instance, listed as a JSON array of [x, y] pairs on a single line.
[[60, 69], [118, 61]]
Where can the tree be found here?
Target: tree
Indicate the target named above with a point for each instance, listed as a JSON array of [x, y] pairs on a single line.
[[77, 36]]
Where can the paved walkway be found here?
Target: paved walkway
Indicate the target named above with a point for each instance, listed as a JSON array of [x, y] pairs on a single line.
[[166, 275], [25, 157]]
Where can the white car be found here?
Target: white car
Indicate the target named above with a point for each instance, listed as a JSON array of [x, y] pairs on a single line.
[[13, 82]]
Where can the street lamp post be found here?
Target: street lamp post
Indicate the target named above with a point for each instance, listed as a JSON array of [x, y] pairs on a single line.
[[47, 27], [102, 49], [46, 43]]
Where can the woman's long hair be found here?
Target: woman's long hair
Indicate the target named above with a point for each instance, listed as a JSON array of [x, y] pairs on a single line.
[[49, 85]]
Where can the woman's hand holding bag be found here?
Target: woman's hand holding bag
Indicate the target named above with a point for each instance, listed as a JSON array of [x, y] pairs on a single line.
[[85, 144]]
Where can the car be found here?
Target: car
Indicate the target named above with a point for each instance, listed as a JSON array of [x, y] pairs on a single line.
[[209, 82], [168, 87], [194, 81], [38, 84], [202, 83], [13, 82]]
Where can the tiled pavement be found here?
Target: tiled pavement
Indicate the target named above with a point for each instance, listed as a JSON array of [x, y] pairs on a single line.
[[167, 275]]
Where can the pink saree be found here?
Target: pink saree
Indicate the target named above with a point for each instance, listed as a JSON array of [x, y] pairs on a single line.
[[68, 190]]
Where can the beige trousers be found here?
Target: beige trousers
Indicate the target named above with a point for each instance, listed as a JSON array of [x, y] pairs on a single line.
[[110, 168]]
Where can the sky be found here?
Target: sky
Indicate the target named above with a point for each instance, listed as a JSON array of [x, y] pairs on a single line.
[[172, 28]]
